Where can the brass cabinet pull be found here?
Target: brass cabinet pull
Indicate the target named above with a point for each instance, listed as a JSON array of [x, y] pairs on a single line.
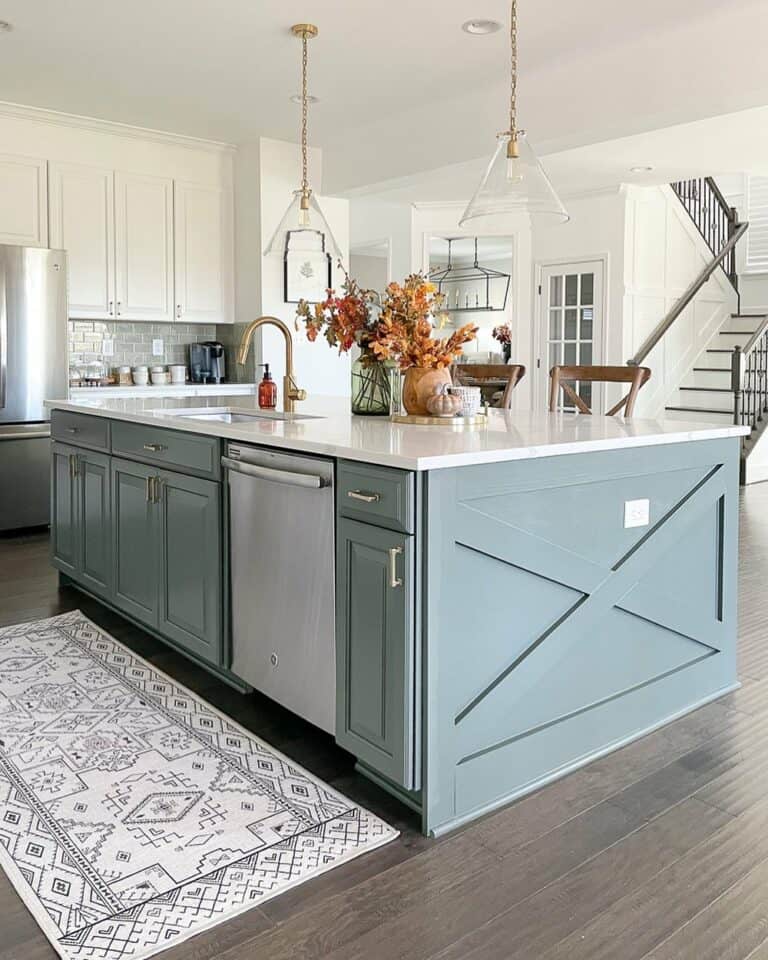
[[119, 304], [155, 447], [362, 495], [394, 580], [150, 482], [158, 489], [72, 429], [111, 308], [73, 465], [178, 311]]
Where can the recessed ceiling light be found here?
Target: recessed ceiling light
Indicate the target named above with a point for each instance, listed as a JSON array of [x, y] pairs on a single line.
[[5, 27], [480, 28], [296, 98], [640, 169]]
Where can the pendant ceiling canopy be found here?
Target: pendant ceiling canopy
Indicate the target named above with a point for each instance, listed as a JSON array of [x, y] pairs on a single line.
[[514, 181], [304, 212]]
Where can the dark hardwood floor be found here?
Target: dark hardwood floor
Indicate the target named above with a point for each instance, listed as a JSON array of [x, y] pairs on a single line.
[[659, 851]]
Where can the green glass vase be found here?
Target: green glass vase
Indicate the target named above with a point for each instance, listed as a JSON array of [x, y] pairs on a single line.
[[371, 387]]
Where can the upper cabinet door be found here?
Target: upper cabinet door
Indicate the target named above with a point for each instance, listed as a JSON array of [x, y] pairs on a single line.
[[144, 247], [203, 233], [82, 214], [23, 201]]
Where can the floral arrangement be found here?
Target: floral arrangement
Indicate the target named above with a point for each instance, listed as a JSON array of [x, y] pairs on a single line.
[[344, 321], [405, 327], [503, 333], [397, 328]]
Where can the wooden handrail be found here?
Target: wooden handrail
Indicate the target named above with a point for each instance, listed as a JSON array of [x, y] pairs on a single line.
[[687, 297]]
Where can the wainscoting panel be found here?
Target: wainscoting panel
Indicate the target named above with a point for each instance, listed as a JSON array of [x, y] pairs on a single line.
[[553, 632]]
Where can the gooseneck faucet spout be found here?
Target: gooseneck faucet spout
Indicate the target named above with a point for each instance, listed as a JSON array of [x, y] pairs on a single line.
[[291, 391]]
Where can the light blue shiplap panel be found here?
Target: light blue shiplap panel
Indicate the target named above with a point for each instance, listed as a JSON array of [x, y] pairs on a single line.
[[552, 631]]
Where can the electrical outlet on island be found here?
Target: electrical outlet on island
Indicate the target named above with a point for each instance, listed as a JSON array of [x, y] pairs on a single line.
[[637, 513]]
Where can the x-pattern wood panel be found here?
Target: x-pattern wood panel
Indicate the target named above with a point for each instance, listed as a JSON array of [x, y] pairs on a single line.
[[601, 589]]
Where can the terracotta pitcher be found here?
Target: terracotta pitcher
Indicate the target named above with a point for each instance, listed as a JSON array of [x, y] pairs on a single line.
[[418, 386]]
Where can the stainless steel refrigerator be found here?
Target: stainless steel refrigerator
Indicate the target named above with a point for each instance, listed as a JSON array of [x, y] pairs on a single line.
[[33, 368]]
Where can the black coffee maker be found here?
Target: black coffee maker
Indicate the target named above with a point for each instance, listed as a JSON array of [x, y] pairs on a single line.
[[207, 363]]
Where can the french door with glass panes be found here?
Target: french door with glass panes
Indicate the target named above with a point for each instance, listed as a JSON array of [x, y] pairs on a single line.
[[571, 330]]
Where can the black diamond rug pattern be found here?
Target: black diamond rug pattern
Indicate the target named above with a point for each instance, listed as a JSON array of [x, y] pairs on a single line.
[[133, 815]]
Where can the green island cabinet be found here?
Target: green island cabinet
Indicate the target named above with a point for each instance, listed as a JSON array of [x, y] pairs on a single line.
[[497, 624], [144, 538], [377, 690]]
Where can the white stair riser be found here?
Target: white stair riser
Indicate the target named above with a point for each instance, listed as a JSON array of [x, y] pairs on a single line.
[[705, 398], [720, 360], [693, 416], [728, 341], [709, 378]]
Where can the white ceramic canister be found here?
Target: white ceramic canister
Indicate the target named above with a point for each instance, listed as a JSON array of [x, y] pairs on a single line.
[[178, 373], [140, 376], [470, 400]]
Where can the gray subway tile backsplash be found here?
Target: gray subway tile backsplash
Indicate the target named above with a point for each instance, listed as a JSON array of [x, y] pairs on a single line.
[[133, 341]]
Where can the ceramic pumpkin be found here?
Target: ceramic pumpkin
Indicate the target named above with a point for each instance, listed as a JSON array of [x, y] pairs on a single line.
[[442, 403]]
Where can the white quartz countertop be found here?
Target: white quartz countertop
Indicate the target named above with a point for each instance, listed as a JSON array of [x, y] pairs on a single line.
[[165, 390], [334, 432]]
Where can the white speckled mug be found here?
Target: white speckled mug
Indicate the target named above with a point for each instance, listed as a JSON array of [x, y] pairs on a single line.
[[470, 400]]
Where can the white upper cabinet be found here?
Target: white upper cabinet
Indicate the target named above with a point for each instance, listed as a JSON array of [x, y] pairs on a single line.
[[23, 201], [82, 213], [143, 247], [203, 238]]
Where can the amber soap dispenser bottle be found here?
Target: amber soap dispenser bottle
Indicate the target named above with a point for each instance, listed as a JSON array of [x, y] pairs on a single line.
[[267, 390]]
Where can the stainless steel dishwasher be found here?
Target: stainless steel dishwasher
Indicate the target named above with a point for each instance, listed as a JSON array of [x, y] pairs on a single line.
[[281, 527]]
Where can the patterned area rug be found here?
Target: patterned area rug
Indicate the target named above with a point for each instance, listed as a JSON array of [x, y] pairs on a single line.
[[133, 815]]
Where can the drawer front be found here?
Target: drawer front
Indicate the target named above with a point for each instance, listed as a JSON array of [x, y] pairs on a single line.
[[379, 495], [80, 429], [187, 452]]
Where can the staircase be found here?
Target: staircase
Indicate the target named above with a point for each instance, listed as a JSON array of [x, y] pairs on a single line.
[[707, 394]]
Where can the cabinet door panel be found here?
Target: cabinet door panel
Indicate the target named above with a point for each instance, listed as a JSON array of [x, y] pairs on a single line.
[[83, 223], [144, 247], [64, 509], [375, 649], [135, 540], [191, 568], [23, 201], [203, 258], [95, 526]]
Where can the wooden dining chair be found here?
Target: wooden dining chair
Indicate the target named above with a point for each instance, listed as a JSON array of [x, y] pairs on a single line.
[[504, 376], [562, 376]]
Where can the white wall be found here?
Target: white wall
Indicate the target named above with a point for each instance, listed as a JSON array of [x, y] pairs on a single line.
[[664, 253], [371, 221], [596, 231], [372, 273]]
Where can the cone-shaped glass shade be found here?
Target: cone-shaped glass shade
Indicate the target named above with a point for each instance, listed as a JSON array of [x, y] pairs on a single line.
[[297, 219], [514, 185]]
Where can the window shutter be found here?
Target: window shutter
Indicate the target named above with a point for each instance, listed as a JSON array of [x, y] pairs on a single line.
[[757, 234]]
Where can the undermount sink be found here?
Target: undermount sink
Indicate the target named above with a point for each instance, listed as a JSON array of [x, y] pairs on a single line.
[[240, 416]]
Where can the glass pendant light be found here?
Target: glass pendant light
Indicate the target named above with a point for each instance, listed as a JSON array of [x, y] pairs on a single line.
[[514, 181], [303, 213]]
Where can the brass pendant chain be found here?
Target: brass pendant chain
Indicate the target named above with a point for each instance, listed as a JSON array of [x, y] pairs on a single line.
[[304, 178], [513, 71], [512, 149]]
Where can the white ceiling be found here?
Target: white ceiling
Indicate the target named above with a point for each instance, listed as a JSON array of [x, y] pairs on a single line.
[[733, 143], [402, 88]]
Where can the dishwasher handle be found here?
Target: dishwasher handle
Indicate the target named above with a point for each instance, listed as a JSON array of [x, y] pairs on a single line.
[[309, 480]]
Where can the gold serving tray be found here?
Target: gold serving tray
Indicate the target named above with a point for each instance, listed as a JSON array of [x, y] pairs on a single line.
[[478, 420]]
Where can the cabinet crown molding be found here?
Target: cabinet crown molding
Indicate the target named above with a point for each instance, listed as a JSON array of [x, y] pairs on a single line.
[[75, 121]]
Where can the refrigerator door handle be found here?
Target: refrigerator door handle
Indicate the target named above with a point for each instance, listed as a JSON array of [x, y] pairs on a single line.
[[3, 340]]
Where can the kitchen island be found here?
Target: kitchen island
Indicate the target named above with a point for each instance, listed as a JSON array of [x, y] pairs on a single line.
[[510, 601]]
